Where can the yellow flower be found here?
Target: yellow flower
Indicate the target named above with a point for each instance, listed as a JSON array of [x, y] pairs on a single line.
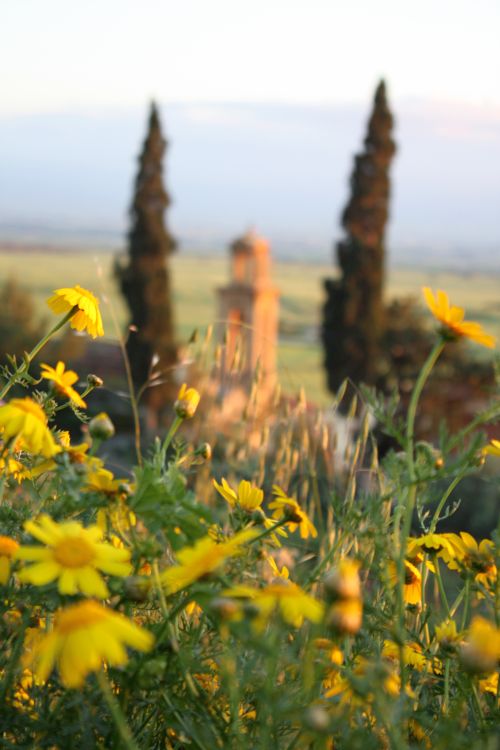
[[74, 555], [87, 316], [24, 419], [479, 558], [289, 599], [75, 453], [452, 318], [412, 654], [12, 468], [187, 402], [288, 507], [481, 651], [438, 544], [86, 636], [284, 573], [203, 558], [412, 588], [489, 684], [446, 634], [102, 480], [492, 449], [63, 381], [248, 497], [8, 548]]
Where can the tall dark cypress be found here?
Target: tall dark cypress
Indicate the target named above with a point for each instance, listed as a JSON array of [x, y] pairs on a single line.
[[353, 315], [145, 279]]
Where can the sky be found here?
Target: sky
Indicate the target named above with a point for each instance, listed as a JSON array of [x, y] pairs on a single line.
[[60, 55], [264, 104]]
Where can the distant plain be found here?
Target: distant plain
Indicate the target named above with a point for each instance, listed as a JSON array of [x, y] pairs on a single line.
[[195, 280]]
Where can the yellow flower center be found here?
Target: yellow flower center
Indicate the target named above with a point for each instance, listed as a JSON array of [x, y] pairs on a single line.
[[74, 552], [80, 616]]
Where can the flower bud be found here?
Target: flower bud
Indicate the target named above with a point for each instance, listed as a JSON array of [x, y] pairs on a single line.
[[187, 402], [317, 719], [227, 609], [137, 588], [342, 582], [101, 427], [205, 451], [346, 617], [94, 381]]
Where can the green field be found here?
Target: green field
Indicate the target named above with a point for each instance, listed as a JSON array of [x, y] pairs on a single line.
[[196, 278]]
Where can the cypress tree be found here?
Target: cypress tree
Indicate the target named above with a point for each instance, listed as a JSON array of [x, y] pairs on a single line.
[[353, 315], [145, 279]]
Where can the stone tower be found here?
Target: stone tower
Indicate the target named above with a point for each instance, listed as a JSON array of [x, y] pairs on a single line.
[[248, 310]]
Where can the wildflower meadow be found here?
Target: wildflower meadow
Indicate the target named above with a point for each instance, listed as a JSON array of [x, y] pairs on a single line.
[[137, 615]]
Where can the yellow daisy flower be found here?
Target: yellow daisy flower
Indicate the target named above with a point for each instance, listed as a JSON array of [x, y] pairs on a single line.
[[63, 381], [412, 589], [432, 544], [87, 316], [247, 497], [8, 549], [187, 402], [203, 558], [412, 654], [73, 555], [290, 600], [452, 319], [24, 419], [102, 480], [288, 507], [479, 558], [85, 636]]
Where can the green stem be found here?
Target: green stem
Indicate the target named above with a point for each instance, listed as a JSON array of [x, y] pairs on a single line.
[[170, 435], [446, 698], [116, 712], [404, 510], [269, 531], [435, 517], [159, 589], [465, 611], [442, 592], [23, 368]]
